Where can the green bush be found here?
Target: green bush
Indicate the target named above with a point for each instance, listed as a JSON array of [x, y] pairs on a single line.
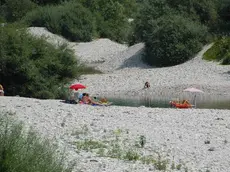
[[200, 10], [46, 2], [112, 17], [13, 10], [24, 151], [220, 51], [71, 20], [225, 10], [148, 12], [32, 67], [171, 40]]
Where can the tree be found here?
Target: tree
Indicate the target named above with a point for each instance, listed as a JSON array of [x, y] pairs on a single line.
[[32, 67], [46, 2], [14, 10], [172, 40], [112, 17]]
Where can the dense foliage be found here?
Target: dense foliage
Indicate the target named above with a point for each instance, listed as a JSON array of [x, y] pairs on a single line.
[[220, 51], [32, 67], [83, 20], [173, 40], [25, 151], [174, 31], [47, 2], [112, 17], [70, 20], [12, 10]]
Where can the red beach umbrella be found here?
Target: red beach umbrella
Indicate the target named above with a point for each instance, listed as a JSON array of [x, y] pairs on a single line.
[[77, 86]]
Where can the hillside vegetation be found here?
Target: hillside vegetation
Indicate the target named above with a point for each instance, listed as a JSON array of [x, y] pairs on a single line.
[[32, 67], [220, 51], [173, 32]]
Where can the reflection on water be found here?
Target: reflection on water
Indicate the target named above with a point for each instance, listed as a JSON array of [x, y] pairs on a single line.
[[204, 102]]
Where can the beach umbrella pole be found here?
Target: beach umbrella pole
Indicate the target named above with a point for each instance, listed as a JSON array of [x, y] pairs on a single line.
[[195, 100]]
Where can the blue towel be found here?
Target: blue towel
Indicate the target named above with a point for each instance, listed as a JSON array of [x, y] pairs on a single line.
[[80, 96]]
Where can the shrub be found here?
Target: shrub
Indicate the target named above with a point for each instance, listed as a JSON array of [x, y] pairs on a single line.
[[71, 20], [148, 12], [32, 67], [46, 2], [89, 145], [220, 51], [112, 17], [171, 40], [14, 10], [24, 151], [131, 155], [200, 10]]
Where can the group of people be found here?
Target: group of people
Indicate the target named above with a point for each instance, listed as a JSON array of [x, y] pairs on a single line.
[[84, 98]]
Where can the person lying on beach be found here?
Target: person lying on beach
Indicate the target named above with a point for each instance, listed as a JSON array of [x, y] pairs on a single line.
[[87, 100], [81, 95], [185, 102]]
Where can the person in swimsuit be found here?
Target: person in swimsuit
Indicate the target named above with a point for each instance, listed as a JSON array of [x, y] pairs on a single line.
[[87, 100]]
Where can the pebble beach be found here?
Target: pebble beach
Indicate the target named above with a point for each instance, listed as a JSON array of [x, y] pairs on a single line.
[[180, 139], [195, 139]]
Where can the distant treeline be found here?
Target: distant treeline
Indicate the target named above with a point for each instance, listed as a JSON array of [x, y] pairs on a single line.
[[173, 32]]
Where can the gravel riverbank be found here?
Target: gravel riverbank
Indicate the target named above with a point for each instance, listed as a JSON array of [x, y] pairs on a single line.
[[189, 139], [194, 139]]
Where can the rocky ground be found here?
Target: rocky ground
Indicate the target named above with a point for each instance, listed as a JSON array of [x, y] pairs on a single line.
[[124, 73], [110, 138], [135, 139]]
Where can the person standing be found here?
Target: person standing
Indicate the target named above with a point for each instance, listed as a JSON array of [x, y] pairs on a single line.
[[1, 90]]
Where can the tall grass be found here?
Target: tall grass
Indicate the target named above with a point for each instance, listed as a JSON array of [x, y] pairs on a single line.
[[24, 151]]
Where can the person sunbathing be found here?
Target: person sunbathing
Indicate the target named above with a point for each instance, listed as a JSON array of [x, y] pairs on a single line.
[[87, 100], [185, 102]]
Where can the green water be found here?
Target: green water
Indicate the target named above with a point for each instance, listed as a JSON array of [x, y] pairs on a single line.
[[221, 104], [205, 104]]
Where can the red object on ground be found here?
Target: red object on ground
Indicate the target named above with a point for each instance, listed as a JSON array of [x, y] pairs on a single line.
[[180, 105], [77, 86]]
